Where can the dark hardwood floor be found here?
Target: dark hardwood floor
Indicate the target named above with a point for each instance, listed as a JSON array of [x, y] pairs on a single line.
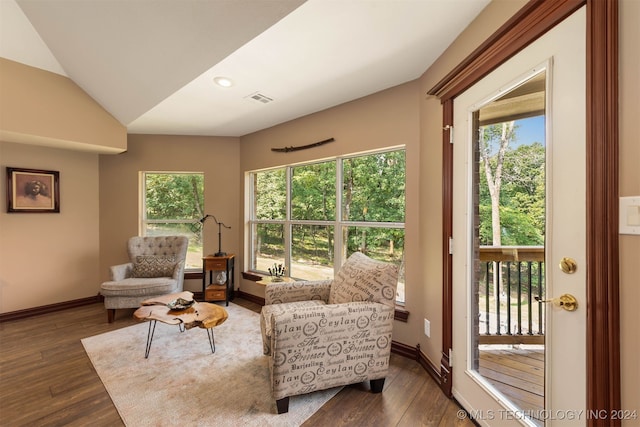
[[46, 379]]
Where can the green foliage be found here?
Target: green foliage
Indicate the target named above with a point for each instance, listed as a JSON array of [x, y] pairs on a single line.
[[522, 197], [313, 192], [313, 244], [373, 187], [270, 194], [174, 196], [270, 239], [385, 244], [373, 191]]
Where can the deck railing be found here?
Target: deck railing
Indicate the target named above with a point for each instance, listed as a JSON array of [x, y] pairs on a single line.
[[509, 280]]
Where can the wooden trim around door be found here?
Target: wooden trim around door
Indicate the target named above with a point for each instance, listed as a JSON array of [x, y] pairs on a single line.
[[447, 257], [603, 304], [528, 24], [532, 21]]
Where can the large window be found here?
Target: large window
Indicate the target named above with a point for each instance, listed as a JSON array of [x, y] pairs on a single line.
[[311, 217], [172, 204]]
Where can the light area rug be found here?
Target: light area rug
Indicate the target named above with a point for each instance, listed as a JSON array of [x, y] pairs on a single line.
[[183, 384]]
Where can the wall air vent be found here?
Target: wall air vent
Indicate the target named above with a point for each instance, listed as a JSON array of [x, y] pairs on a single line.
[[258, 97]]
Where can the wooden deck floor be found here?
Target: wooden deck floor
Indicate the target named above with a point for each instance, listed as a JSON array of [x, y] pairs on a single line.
[[518, 374]]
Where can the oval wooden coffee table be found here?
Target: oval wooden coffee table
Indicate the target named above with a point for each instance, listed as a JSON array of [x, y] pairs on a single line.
[[200, 314]]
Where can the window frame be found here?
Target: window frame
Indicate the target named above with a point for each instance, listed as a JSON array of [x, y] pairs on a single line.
[[288, 223], [143, 221]]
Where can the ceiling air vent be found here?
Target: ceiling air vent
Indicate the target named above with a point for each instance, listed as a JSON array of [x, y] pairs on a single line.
[[258, 97]]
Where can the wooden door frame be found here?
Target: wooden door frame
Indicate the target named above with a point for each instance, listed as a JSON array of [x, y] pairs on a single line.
[[602, 251]]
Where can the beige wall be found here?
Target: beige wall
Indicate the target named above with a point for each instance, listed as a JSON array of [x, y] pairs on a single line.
[[217, 157], [629, 186], [51, 258], [44, 108], [491, 18], [388, 118], [48, 258]]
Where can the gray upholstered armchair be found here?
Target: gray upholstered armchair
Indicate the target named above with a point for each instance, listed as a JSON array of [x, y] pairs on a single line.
[[330, 333], [156, 267]]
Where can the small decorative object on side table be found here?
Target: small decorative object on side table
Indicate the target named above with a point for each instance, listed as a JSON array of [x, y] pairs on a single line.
[[219, 286], [277, 272]]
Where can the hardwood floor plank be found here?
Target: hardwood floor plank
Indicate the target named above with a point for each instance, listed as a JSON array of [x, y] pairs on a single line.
[[46, 379], [427, 408], [411, 381], [19, 360], [452, 417], [405, 379]]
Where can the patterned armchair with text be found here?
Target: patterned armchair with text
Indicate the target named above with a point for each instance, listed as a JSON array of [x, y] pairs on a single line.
[[330, 333]]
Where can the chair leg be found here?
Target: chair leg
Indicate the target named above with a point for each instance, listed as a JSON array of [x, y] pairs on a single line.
[[111, 315], [283, 405], [377, 385]]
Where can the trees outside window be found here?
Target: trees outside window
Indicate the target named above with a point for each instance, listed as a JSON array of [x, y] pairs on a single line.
[[172, 204], [512, 188], [312, 217], [511, 204]]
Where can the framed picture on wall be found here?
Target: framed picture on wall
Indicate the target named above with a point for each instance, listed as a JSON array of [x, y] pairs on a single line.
[[33, 191]]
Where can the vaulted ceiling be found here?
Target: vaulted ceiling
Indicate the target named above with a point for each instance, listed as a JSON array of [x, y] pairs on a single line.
[[152, 63]]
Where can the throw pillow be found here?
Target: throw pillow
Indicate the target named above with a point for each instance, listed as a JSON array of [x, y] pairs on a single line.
[[364, 279], [154, 266]]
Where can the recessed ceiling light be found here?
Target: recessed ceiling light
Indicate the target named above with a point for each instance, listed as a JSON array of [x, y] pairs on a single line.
[[223, 81]]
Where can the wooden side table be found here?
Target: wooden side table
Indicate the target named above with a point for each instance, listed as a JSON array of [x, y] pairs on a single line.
[[219, 284]]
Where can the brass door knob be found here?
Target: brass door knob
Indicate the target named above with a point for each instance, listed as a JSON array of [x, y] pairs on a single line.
[[565, 301]]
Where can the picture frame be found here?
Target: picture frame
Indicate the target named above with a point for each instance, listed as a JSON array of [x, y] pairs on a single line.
[[33, 191]]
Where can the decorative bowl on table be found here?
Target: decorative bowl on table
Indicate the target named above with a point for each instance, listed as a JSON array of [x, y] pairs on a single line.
[[221, 278], [180, 304]]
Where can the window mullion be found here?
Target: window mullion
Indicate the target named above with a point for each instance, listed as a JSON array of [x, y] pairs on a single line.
[[287, 222], [172, 221], [251, 183], [373, 224], [338, 244], [142, 203]]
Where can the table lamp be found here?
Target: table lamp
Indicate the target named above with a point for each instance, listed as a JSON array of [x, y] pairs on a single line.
[[220, 225]]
